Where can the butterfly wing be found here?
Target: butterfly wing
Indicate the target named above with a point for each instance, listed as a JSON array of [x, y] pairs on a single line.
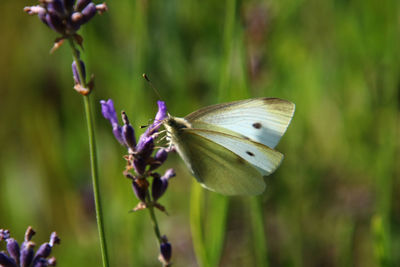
[[222, 170], [263, 120], [263, 158]]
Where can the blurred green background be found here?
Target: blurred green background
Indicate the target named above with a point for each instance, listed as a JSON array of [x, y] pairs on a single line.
[[334, 200]]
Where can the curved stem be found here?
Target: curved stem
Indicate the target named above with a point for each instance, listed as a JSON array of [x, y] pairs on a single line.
[[93, 158]]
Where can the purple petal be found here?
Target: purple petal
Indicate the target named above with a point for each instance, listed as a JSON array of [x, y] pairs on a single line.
[[140, 192], [162, 111], [168, 174], [89, 11], [6, 261], [13, 249], [108, 111], [81, 4]]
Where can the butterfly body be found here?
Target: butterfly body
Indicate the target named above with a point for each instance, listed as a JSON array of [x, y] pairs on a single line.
[[229, 147]]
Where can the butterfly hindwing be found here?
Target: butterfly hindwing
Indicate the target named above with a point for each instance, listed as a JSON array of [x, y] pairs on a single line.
[[263, 158], [218, 168], [263, 120]]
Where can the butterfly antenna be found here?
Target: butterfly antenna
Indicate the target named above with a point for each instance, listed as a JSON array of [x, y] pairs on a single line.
[[151, 85]]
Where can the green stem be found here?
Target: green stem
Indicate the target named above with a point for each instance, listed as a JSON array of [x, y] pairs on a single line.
[[93, 158], [153, 218]]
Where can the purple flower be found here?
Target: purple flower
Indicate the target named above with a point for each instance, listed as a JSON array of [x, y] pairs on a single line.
[[63, 16], [108, 111], [25, 255], [160, 116]]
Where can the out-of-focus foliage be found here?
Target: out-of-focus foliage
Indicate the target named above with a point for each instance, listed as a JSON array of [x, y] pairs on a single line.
[[333, 201]]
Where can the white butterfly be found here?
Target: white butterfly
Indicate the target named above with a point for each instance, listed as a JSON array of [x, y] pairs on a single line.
[[229, 147]]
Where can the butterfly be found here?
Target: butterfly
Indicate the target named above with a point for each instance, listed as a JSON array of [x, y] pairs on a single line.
[[229, 147]]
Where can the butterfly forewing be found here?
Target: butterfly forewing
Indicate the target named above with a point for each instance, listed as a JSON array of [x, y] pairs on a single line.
[[263, 120]]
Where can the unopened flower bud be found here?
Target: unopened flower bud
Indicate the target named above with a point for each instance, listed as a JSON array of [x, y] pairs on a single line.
[[140, 190], [6, 261], [145, 146], [128, 133], [27, 254], [43, 251], [160, 184], [75, 71], [13, 249], [81, 4], [165, 251], [89, 11], [56, 7], [160, 157], [54, 22]]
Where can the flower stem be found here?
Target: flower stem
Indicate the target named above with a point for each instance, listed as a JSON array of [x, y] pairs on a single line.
[[153, 219], [93, 157]]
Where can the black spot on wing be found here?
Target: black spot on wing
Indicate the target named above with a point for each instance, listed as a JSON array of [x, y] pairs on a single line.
[[250, 153], [257, 125]]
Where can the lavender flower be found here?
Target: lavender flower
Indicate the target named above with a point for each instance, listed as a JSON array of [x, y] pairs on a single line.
[[66, 16], [165, 251], [25, 256], [141, 164]]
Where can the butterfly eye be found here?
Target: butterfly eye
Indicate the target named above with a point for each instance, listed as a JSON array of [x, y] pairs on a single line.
[[257, 125]]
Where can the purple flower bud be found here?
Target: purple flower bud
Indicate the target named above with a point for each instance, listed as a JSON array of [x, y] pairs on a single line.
[[139, 164], [139, 190], [166, 252], [81, 4], [145, 146], [89, 11], [128, 132], [160, 184], [56, 7], [13, 249], [160, 157], [158, 187], [108, 111], [6, 261], [76, 73], [43, 252], [54, 22], [27, 254]]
